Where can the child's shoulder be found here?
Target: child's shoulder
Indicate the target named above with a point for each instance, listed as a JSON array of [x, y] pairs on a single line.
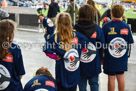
[[14, 46], [108, 23], [81, 37]]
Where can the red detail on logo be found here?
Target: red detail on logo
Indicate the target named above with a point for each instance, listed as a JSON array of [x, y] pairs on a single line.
[[74, 41], [124, 31], [84, 50], [50, 83], [72, 58], [8, 58], [94, 35], [116, 45]]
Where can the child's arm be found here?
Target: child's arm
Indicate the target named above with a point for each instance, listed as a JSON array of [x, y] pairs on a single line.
[[51, 49], [20, 76], [18, 63], [45, 30]]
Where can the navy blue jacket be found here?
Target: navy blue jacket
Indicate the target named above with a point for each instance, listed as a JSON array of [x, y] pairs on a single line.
[[49, 25], [53, 9], [118, 37], [67, 68], [40, 83], [11, 67], [90, 57]]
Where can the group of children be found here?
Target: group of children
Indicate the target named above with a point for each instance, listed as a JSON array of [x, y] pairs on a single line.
[[78, 52]]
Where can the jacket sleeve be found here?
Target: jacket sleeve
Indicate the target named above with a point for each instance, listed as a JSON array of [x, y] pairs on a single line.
[[19, 65], [49, 12], [68, 9], [51, 47], [58, 9]]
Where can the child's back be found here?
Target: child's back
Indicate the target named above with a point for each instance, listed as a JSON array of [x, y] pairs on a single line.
[[11, 62], [43, 81], [118, 37]]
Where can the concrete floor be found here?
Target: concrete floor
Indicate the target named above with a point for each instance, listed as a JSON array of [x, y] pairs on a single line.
[[34, 58]]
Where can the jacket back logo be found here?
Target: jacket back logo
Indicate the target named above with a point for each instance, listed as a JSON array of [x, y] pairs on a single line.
[[112, 31]]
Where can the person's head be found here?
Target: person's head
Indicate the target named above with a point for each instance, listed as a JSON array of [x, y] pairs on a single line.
[[91, 2], [64, 28], [117, 11], [123, 17], [71, 1], [7, 29], [41, 16], [44, 71], [52, 1], [86, 13]]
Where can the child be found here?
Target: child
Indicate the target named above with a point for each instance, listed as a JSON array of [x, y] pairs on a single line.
[[124, 18], [66, 49], [118, 37], [11, 62], [48, 26], [43, 81], [90, 59]]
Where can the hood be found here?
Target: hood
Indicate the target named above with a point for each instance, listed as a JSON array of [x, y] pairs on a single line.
[[86, 28]]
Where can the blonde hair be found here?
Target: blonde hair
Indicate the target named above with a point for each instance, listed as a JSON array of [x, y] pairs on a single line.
[[6, 35], [64, 29]]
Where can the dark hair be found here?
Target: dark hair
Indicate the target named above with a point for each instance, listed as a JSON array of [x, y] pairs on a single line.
[[86, 12], [71, 0], [40, 15], [6, 30], [44, 71], [117, 10]]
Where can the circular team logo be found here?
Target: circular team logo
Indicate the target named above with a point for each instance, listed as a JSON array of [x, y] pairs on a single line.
[[89, 54], [50, 23], [71, 60], [42, 89], [4, 77], [117, 47]]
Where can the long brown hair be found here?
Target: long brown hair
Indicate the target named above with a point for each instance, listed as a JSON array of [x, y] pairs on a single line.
[[86, 12], [64, 29], [91, 2], [6, 35], [44, 71]]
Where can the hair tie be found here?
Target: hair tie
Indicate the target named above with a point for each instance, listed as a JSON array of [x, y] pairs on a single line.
[[44, 68]]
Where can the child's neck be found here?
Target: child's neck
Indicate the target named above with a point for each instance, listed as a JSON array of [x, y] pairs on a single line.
[[113, 18]]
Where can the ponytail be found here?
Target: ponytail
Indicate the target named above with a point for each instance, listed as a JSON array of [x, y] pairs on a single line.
[[6, 30]]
